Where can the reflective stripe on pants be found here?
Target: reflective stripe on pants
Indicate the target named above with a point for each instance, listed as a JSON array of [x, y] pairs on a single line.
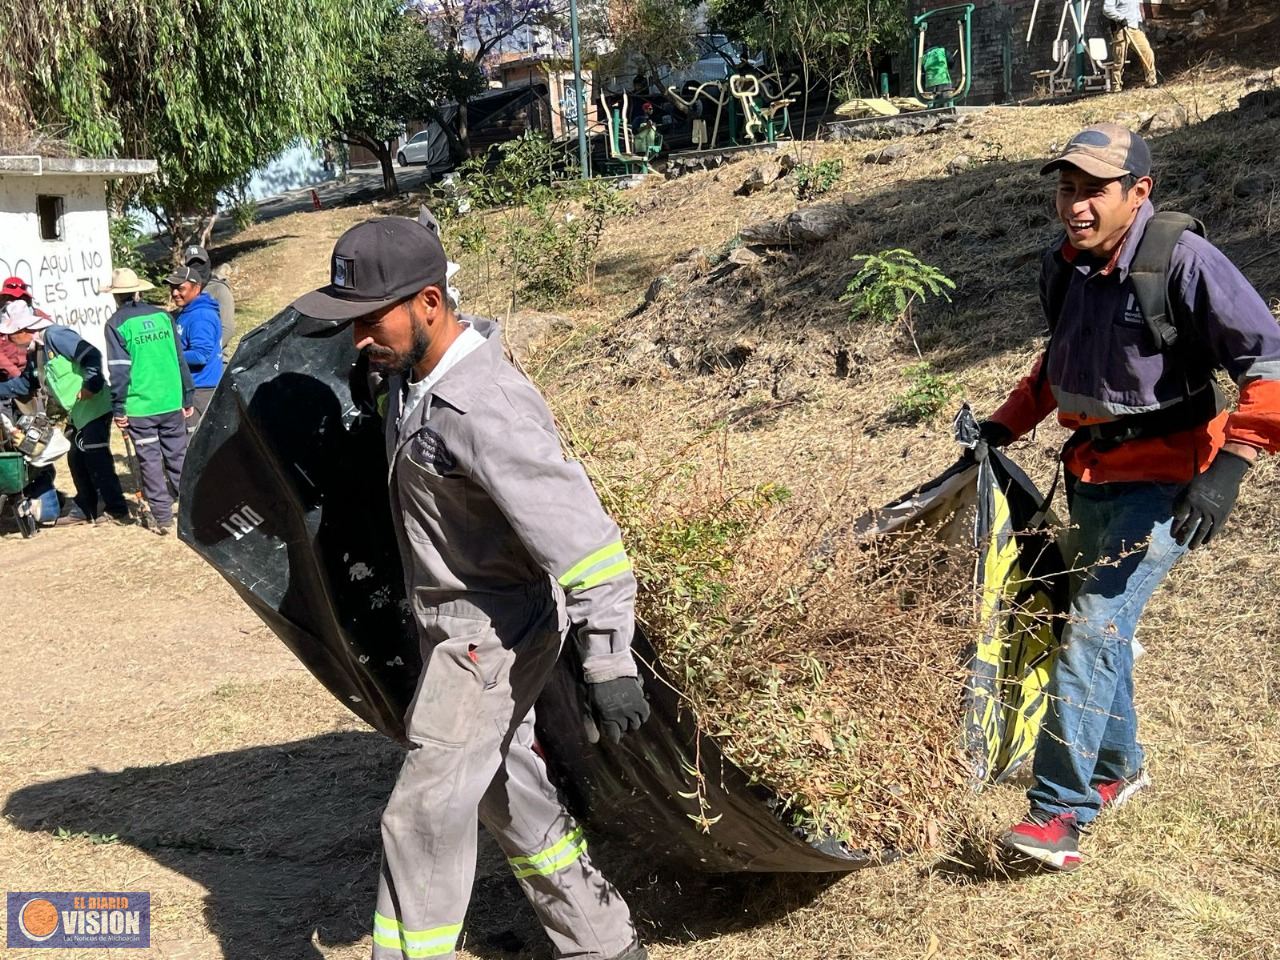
[[471, 724], [161, 445]]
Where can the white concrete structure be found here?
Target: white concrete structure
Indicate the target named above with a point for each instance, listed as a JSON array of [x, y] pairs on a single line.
[[54, 235]]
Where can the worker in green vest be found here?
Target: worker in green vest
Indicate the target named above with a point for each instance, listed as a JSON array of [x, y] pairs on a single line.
[[69, 369], [151, 391]]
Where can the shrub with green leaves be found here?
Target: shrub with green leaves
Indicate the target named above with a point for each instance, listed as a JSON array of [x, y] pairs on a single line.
[[811, 179], [126, 237], [524, 164], [888, 286], [549, 245], [927, 394], [546, 245]]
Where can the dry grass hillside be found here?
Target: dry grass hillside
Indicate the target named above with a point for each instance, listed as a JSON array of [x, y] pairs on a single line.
[[163, 741]]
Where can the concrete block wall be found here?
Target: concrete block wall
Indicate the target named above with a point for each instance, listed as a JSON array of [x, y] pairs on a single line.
[[1003, 60]]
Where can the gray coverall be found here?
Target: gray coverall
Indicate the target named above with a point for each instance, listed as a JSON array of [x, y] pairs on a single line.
[[505, 548]]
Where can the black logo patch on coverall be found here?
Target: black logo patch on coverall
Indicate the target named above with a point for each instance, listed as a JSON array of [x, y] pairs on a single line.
[[429, 450]]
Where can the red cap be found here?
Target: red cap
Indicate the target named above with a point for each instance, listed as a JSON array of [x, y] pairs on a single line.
[[15, 287]]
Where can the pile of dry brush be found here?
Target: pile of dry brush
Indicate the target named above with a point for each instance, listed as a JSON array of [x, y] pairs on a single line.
[[832, 671]]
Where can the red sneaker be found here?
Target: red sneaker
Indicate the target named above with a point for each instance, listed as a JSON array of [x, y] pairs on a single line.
[[1051, 840], [1116, 793]]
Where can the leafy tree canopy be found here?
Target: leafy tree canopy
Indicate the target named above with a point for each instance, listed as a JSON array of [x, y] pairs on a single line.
[[833, 39], [211, 91], [404, 79]]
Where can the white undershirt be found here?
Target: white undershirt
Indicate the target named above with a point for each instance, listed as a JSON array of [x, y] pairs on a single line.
[[467, 341]]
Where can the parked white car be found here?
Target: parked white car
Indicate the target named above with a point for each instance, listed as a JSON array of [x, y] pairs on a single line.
[[422, 148]]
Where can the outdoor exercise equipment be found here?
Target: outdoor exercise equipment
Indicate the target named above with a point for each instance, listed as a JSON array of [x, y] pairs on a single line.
[[704, 92], [963, 16], [632, 157], [777, 96], [1080, 62], [759, 110]]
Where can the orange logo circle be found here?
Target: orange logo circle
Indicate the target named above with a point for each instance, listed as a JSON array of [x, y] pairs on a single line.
[[39, 919]]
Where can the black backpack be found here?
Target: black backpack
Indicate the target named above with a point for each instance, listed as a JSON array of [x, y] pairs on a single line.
[[1149, 273]]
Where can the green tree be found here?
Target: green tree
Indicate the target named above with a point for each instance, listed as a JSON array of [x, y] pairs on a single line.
[[405, 78], [658, 32], [474, 31], [211, 91], [833, 41]]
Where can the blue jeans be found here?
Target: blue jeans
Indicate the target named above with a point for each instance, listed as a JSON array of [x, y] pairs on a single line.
[[1120, 548]]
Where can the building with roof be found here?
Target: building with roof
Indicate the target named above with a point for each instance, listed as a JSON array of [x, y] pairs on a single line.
[[54, 234]]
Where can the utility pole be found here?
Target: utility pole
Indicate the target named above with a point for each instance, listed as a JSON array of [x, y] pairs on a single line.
[[583, 172], [1082, 11]]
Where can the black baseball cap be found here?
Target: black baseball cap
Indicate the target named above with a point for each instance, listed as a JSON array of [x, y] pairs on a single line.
[[195, 254], [183, 274], [375, 264]]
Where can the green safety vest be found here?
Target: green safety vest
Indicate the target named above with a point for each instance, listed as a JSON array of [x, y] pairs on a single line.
[[936, 72], [64, 381], [155, 379]]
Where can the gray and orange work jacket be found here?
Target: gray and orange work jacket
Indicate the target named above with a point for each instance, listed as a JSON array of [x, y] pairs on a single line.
[[1101, 364], [489, 506]]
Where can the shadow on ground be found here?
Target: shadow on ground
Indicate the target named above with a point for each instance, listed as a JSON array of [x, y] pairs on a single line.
[[285, 840], [224, 252]]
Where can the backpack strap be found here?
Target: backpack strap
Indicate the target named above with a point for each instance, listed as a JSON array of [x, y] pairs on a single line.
[[1055, 279], [1150, 273]]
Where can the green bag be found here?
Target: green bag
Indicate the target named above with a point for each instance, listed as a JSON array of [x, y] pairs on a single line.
[[936, 71], [64, 384]]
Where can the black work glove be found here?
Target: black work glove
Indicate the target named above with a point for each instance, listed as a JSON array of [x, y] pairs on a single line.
[[615, 707], [990, 434], [1202, 508], [996, 434]]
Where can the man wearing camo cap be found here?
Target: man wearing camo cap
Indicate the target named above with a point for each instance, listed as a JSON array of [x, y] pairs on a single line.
[[1142, 311]]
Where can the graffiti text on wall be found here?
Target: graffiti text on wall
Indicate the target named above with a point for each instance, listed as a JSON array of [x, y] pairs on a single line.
[[66, 286]]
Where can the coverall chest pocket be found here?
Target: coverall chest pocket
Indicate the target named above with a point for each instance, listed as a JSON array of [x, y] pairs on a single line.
[[432, 492]]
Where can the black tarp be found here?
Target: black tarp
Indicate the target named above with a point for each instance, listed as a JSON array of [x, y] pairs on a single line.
[[284, 493]]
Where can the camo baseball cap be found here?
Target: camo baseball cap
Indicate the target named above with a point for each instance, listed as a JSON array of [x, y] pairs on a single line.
[[1107, 151]]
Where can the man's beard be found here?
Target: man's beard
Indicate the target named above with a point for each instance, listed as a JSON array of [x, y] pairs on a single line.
[[385, 360]]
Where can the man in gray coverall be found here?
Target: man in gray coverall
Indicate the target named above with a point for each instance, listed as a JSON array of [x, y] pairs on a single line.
[[505, 549]]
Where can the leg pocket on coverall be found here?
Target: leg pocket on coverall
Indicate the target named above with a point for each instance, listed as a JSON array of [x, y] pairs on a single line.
[[467, 679], [451, 691]]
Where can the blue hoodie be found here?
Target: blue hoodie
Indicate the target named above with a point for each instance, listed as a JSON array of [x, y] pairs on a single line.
[[200, 326]]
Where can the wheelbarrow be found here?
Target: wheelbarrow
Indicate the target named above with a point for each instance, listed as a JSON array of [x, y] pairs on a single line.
[[13, 479]]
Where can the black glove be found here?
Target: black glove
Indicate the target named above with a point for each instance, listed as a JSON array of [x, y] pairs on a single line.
[[996, 434], [615, 707], [990, 434], [1202, 508]]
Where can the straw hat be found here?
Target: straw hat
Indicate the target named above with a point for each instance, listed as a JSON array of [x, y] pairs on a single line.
[[125, 280]]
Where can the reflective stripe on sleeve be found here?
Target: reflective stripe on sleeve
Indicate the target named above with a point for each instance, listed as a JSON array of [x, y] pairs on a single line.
[[597, 567]]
